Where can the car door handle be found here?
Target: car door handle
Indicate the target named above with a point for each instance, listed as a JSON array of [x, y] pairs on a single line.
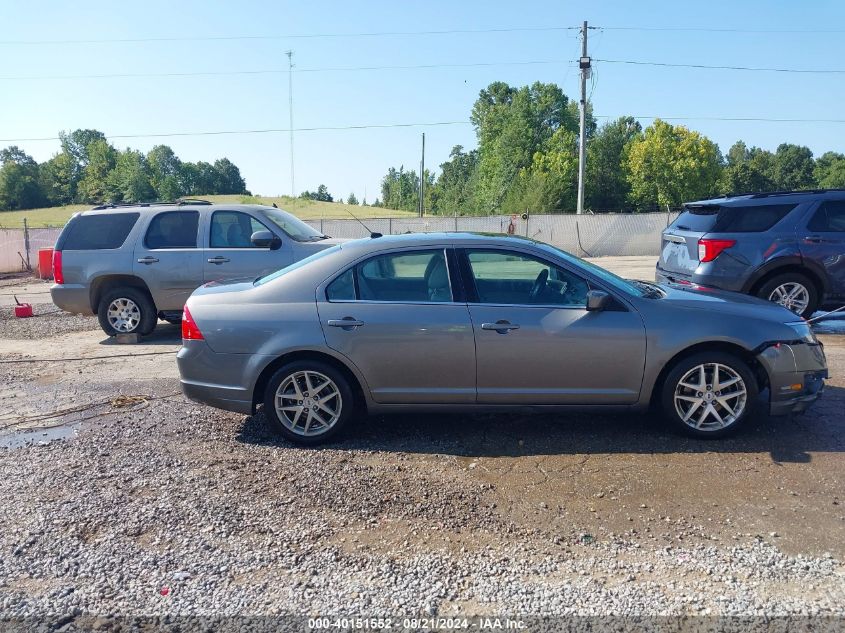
[[218, 260], [502, 327], [345, 322], [148, 260]]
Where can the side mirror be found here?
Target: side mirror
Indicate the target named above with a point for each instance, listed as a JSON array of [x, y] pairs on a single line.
[[598, 300], [266, 239]]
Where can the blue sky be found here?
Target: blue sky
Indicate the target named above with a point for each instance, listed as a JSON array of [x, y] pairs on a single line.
[[355, 160]]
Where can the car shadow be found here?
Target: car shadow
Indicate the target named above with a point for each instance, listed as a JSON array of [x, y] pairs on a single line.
[[789, 439], [164, 334]]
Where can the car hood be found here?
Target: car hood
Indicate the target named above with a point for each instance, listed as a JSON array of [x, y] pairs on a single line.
[[724, 301]]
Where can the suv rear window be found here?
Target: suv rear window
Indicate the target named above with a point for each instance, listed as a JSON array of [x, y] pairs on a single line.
[[173, 229], [720, 219], [98, 232]]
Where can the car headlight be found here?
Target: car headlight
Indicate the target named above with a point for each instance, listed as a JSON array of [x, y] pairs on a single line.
[[804, 332]]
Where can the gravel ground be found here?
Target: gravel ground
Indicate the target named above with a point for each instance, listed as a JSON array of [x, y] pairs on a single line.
[[121, 498], [48, 321]]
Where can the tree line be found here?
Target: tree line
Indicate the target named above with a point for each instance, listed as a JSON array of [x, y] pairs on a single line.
[[88, 169], [527, 161]]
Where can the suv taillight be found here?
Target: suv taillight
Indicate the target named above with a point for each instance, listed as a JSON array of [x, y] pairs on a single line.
[[709, 249], [190, 331], [58, 274]]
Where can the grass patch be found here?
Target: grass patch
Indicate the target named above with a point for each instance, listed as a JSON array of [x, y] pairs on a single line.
[[305, 209]]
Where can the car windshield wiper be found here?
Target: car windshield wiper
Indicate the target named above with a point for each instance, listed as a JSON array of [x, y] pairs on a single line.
[[650, 289]]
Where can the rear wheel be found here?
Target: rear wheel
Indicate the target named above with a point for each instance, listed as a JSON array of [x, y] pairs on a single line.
[[710, 394], [308, 402], [794, 291], [126, 311]]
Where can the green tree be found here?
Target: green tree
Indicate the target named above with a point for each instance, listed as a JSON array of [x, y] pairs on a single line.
[[793, 167], [321, 195], [454, 190], [20, 186], [165, 169], [829, 171], [606, 187], [512, 124], [129, 181], [670, 164], [747, 170], [228, 178], [101, 158], [59, 179], [549, 184], [352, 199]]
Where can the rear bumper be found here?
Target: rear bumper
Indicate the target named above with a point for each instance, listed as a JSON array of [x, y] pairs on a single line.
[[71, 298], [224, 381], [796, 376], [722, 282]]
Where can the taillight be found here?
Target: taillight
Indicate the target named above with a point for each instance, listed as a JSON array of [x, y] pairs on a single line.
[[709, 249], [58, 274], [190, 331]]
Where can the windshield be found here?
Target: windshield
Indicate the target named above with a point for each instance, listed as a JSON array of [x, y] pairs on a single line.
[[623, 285], [284, 271], [292, 226]]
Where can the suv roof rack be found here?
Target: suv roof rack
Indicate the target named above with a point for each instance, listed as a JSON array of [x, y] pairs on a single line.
[[178, 202], [791, 192]]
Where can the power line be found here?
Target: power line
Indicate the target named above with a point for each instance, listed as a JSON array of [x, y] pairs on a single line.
[[814, 71], [277, 71], [219, 38], [684, 29], [259, 131]]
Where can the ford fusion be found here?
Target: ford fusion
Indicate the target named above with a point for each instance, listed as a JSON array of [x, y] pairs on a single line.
[[469, 322]]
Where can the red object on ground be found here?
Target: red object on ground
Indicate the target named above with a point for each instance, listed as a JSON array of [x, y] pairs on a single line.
[[23, 310], [58, 275], [164, 591], [45, 263]]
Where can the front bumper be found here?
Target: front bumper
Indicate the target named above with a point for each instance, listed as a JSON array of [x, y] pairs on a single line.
[[796, 376]]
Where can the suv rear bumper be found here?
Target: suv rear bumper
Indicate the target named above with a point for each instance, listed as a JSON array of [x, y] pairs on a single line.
[[71, 298], [713, 281], [796, 376]]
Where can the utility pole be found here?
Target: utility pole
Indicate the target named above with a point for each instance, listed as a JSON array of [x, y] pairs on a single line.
[[290, 107], [422, 178], [584, 64]]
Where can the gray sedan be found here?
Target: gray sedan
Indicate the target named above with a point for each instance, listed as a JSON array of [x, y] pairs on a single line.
[[470, 322]]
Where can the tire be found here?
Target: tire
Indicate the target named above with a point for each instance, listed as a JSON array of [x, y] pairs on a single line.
[[786, 282], [689, 403], [293, 426], [141, 316]]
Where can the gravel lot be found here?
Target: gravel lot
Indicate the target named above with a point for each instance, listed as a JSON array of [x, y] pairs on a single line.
[[149, 504]]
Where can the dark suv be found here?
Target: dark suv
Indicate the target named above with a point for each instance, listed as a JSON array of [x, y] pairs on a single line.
[[787, 247]]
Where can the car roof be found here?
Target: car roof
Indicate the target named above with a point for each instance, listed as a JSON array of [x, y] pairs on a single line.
[[383, 242], [773, 197], [156, 207]]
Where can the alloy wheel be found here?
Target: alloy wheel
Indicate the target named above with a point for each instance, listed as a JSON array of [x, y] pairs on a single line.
[[792, 296], [123, 315], [710, 397], [308, 403]]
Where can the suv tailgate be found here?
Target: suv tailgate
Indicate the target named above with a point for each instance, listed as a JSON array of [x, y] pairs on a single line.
[[679, 245]]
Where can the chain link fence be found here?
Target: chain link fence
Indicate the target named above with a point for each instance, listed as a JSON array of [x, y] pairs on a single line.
[[603, 235]]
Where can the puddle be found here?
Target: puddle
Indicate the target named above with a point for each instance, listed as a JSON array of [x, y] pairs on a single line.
[[38, 437]]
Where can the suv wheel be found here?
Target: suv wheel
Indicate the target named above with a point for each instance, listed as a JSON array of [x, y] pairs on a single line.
[[126, 311], [794, 291], [308, 402], [709, 394]]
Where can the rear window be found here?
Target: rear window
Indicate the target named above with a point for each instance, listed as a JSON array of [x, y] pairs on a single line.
[[719, 219], [98, 232]]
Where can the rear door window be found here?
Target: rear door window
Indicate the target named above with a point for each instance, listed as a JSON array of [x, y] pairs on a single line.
[[830, 217], [99, 232], [173, 229], [412, 277], [714, 218], [233, 229]]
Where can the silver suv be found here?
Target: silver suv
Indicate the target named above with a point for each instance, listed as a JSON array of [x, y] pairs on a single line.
[[132, 265]]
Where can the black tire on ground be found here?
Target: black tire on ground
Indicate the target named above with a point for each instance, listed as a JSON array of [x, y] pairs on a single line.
[[709, 360], [147, 319], [765, 291], [345, 401]]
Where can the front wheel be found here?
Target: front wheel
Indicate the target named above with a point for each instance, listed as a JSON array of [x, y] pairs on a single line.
[[126, 311], [709, 395], [793, 291], [308, 402]]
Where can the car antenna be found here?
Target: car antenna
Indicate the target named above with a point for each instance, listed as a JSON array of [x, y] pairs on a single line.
[[373, 234]]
